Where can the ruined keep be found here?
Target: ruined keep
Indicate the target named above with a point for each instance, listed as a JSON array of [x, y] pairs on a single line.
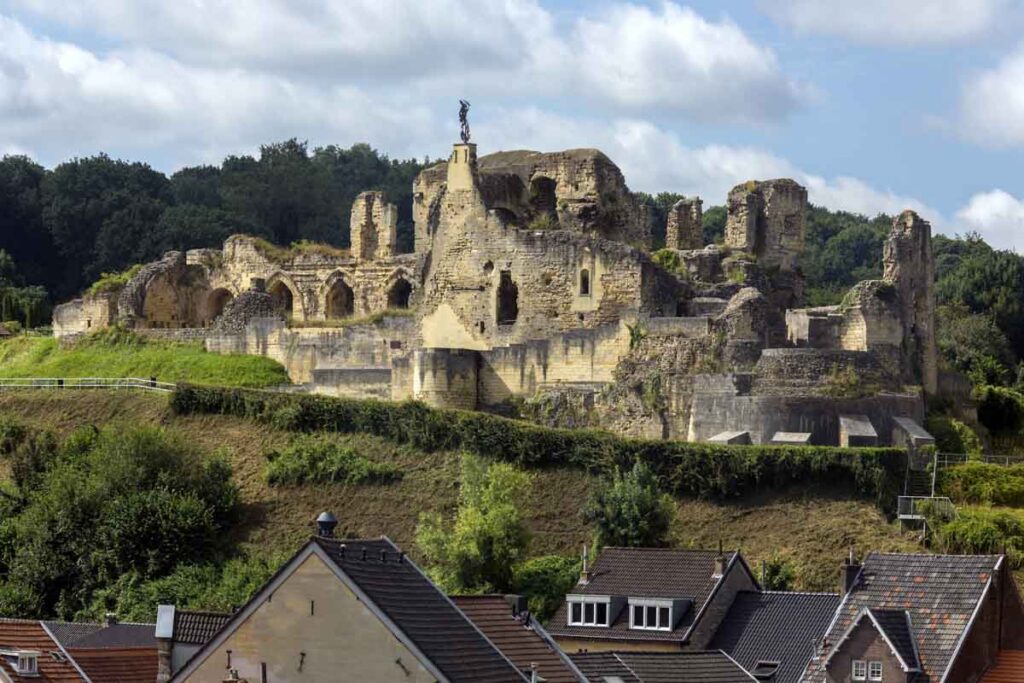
[[531, 285]]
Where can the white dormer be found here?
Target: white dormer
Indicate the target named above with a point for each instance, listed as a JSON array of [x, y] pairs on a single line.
[[24, 662]]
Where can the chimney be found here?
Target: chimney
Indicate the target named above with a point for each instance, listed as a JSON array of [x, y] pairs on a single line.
[[164, 642], [719, 567], [325, 525], [110, 618], [849, 573], [585, 574], [517, 603]]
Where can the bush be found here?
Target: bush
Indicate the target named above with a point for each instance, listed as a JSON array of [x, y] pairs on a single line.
[[630, 510], [113, 282], [983, 531], [695, 469], [545, 581], [977, 483], [11, 434], [953, 436], [779, 574], [312, 459], [1001, 410]]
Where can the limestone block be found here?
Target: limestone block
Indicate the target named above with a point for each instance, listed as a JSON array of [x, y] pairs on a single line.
[[906, 433], [766, 219], [373, 226], [685, 228], [791, 439], [731, 438], [856, 431]]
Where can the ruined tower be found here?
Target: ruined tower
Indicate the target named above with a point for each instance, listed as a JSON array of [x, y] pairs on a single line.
[[909, 265], [766, 219], [373, 226], [685, 229], [462, 168]]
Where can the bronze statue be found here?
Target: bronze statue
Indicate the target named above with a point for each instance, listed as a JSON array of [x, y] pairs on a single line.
[[464, 119]]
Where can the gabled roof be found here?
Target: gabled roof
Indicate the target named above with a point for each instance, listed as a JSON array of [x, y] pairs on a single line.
[[394, 590], [661, 667], [894, 628], [197, 628], [117, 664], [649, 573], [520, 637], [775, 626], [105, 636], [23, 634], [941, 593]]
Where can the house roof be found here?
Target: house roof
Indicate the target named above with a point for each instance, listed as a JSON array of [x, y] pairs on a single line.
[[520, 637], [105, 636], [775, 626], [662, 667], [21, 634], [648, 573], [197, 628], [117, 664], [1009, 668], [420, 610], [941, 593], [895, 625]]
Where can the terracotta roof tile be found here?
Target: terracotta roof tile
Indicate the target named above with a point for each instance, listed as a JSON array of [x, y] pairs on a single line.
[[20, 634], [1009, 668], [117, 665]]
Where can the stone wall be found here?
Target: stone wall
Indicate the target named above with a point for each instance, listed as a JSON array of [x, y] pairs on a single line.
[[446, 378], [766, 219], [373, 226], [85, 314], [685, 227]]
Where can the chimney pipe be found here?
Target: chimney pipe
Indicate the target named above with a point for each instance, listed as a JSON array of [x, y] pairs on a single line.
[[110, 618], [585, 574], [719, 568], [325, 525], [849, 573]]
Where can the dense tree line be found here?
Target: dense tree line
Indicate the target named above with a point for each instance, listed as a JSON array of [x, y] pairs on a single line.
[[64, 227]]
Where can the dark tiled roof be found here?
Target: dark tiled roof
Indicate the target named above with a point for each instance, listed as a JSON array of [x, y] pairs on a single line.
[[116, 664], [20, 634], [197, 628], [939, 591], [516, 636], [420, 610], [67, 632], [118, 636], [776, 627], [895, 624], [646, 573], [666, 667]]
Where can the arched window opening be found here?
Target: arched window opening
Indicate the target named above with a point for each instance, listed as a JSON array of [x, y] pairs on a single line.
[[341, 302], [542, 196], [399, 295], [215, 303], [282, 298], [508, 299], [584, 282]]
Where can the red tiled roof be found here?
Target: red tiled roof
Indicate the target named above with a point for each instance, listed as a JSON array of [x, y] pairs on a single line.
[[523, 645], [20, 634], [117, 665], [1009, 668]]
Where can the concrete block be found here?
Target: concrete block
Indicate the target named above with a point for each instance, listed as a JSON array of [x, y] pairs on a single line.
[[732, 438], [856, 431], [791, 439]]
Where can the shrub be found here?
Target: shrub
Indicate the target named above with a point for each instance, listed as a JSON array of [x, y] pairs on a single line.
[[983, 531], [11, 434], [982, 483], [695, 469], [630, 510], [545, 581], [479, 550], [112, 282], [779, 574], [312, 459], [1000, 409], [953, 436]]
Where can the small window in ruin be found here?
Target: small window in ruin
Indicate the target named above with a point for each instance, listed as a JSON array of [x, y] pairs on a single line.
[[341, 302], [680, 309], [508, 299], [396, 344], [482, 327], [488, 268], [88, 323], [584, 282], [399, 295]]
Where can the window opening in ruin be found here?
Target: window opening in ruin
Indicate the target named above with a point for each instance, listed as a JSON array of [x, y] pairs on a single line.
[[483, 327], [341, 302], [508, 299], [218, 299], [282, 298], [584, 282], [506, 216], [542, 196], [680, 309], [399, 295], [488, 268]]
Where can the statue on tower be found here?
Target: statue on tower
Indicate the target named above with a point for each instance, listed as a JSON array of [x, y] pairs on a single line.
[[464, 120]]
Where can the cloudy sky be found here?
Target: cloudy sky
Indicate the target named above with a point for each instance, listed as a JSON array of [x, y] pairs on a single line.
[[875, 105]]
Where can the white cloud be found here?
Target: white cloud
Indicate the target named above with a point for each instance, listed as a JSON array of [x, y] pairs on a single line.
[[624, 55], [891, 22], [998, 216], [992, 103]]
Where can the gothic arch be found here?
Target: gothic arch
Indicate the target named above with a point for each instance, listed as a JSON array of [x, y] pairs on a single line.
[[286, 295]]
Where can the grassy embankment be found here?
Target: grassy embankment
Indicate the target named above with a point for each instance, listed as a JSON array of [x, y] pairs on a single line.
[[811, 528], [115, 353]]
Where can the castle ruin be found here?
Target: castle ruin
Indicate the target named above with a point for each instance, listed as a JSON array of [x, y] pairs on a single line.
[[531, 288]]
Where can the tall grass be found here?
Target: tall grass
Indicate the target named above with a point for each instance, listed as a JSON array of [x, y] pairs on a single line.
[[117, 353]]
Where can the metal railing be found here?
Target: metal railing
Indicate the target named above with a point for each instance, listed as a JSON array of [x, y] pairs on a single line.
[[949, 459], [917, 507], [59, 383]]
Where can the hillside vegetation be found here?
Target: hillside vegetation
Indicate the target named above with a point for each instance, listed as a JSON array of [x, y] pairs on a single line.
[[809, 528], [117, 353]]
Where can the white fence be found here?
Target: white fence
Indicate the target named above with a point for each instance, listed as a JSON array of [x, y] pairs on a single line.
[[59, 383]]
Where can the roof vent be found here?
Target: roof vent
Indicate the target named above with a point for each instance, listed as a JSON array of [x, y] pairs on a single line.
[[325, 525]]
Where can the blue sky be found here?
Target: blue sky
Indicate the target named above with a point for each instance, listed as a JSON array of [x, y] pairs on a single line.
[[874, 105]]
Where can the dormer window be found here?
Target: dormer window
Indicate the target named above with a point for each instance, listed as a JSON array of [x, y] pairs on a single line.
[[588, 611], [24, 662], [650, 615]]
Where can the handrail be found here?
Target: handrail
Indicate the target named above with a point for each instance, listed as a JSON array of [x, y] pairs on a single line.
[[150, 384]]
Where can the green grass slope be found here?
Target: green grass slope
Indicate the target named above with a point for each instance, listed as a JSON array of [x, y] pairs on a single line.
[[115, 353], [812, 529]]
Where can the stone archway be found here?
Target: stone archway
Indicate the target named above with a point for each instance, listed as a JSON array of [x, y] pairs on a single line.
[[341, 300], [283, 298], [399, 294], [508, 299], [215, 303]]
